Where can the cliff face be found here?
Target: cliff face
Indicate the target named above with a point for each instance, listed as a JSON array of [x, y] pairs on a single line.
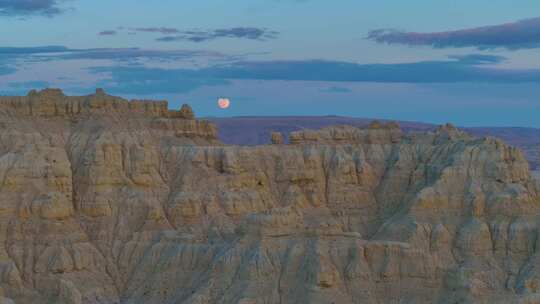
[[108, 201], [254, 130]]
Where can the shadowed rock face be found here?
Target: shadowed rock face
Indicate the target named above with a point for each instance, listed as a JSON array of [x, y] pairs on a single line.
[[108, 201]]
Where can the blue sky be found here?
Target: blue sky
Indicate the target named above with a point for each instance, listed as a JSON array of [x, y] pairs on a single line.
[[473, 63]]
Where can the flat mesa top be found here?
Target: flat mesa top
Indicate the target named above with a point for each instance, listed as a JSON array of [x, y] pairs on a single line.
[[53, 102]]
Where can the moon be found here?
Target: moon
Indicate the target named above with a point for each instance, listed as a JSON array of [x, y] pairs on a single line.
[[224, 103]]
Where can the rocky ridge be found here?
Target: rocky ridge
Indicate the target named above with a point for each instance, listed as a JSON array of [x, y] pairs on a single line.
[[255, 130], [105, 200]]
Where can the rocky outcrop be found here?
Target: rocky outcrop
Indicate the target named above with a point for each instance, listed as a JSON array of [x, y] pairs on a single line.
[[109, 201], [276, 138], [100, 108]]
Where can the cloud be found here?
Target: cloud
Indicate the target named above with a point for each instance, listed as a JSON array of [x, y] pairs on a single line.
[[335, 89], [32, 50], [458, 69], [161, 30], [29, 7], [146, 81], [131, 54], [477, 59], [15, 58], [245, 32], [48, 53], [523, 34], [250, 33], [174, 34], [139, 71], [107, 33]]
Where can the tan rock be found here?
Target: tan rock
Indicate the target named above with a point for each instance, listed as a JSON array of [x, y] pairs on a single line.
[[104, 200], [276, 138], [186, 112]]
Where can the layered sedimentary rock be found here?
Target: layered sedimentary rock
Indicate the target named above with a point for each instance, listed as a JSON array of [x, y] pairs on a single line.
[[254, 130], [108, 201]]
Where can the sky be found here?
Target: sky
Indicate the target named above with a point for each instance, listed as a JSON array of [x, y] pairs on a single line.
[[472, 63]]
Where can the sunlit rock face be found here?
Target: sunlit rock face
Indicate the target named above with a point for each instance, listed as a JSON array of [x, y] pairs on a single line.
[[108, 201]]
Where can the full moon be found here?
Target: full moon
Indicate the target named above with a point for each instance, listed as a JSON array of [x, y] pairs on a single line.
[[224, 103]]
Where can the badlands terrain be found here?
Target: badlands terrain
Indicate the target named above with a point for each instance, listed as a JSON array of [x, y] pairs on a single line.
[[254, 130], [104, 200]]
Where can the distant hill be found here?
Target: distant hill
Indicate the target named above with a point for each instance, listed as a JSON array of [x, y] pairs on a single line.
[[255, 130]]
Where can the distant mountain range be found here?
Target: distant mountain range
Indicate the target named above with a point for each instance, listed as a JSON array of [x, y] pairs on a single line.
[[255, 130]]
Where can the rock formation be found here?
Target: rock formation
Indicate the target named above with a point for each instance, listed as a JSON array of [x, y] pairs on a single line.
[[276, 138], [104, 200], [254, 130]]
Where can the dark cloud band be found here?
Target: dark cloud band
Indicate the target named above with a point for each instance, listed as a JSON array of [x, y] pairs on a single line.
[[32, 50], [173, 34], [107, 33], [250, 33], [130, 74], [29, 7], [48, 53], [459, 69], [523, 34], [161, 30]]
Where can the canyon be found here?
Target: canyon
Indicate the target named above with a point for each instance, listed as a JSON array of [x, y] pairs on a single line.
[[105, 200]]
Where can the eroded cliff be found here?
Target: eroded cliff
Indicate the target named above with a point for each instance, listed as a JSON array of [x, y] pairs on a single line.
[[108, 201]]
